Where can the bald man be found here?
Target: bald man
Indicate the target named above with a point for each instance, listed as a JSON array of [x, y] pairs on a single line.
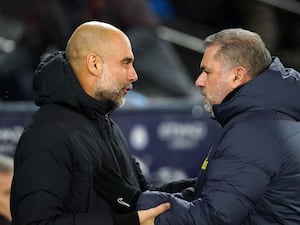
[[71, 134]]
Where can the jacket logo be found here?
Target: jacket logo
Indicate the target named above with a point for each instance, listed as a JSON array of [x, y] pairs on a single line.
[[120, 201], [204, 164]]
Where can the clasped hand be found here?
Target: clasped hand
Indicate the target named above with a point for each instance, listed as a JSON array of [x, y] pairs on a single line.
[[115, 189], [122, 195]]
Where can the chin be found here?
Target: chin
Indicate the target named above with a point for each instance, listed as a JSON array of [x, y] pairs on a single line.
[[119, 102], [122, 103], [208, 108]]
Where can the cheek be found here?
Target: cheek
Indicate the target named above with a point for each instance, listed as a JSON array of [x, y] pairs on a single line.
[[115, 84], [210, 86], [215, 91], [117, 76]]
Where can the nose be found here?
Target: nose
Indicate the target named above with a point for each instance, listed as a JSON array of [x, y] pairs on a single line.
[[201, 80], [133, 77]]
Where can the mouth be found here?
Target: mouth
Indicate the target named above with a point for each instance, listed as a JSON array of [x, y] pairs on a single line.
[[127, 89], [204, 96]]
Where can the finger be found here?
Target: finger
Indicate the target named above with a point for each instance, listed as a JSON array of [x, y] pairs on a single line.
[[161, 208], [147, 216], [155, 211]]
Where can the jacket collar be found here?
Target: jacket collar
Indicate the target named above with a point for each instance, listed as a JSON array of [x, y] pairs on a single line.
[[55, 83], [275, 89]]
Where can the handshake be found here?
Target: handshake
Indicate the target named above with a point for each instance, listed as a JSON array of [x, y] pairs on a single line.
[[128, 198], [117, 190]]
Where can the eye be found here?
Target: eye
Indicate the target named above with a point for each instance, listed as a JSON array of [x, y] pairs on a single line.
[[207, 72], [203, 70], [127, 61]]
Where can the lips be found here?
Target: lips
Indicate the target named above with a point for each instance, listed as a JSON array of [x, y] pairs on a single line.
[[127, 88]]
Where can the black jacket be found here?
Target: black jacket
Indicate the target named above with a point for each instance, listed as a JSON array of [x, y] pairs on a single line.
[[69, 135], [252, 173]]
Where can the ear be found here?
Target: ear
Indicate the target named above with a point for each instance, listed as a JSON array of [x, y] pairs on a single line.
[[239, 77], [94, 64]]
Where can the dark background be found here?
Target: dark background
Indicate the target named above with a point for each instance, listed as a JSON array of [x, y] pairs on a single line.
[[280, 28]]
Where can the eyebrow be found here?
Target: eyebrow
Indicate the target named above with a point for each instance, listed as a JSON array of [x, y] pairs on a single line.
[[205, 69], [127, 60]]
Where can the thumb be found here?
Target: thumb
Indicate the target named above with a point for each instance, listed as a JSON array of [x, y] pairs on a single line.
[[160, 209], [148, 215]]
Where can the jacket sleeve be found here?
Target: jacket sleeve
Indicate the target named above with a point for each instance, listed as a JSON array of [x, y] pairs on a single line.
[[178, 214], [237, 176]]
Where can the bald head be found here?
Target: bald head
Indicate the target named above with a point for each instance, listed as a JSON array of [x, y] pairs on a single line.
[[102, 60], [89, 37]]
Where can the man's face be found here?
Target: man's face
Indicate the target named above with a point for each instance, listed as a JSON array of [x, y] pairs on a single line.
[[213, 80], [118, 72]]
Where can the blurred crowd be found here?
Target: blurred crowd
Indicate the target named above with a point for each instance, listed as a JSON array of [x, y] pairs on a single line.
[[38, 27]]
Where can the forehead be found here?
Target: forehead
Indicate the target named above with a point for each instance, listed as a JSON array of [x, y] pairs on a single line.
[[208, 58], [120, 47]]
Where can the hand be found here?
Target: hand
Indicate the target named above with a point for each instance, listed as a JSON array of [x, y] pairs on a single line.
[[177, 186], [147, 217], [115, 189]]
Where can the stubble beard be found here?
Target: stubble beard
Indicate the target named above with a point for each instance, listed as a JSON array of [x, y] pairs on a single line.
[[108, 91], [216, 98], [115, 97], [206, 105], [208, 108]]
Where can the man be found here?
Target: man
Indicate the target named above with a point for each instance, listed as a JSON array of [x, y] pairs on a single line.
[[71, 133], [252, 172], [6, 174]]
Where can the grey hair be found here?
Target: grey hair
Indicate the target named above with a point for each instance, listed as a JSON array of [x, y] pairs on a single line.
[[239, 47], [6, 163]]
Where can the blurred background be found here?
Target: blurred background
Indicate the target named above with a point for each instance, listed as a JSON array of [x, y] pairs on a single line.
[[163, 118]]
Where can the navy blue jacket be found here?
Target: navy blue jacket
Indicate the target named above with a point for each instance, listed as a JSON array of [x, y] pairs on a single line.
[[252, 172]]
